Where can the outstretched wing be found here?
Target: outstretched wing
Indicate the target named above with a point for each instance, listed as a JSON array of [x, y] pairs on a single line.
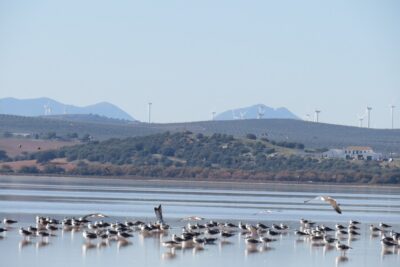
[[306, 201], [94, 215], [334, 204], [158, 212]]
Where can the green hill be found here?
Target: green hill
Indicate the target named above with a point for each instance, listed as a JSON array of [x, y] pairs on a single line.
[[190, 156], [312, 135]]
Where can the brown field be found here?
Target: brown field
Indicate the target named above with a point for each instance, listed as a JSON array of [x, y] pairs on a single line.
[[12, 145], [16, 165]]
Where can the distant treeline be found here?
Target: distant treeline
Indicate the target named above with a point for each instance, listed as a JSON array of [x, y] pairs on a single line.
[[218, 156]]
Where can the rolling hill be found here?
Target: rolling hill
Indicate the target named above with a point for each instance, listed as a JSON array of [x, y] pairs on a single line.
[[312, 135]]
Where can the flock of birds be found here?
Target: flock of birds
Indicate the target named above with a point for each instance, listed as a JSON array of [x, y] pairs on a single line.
[[197, 234]]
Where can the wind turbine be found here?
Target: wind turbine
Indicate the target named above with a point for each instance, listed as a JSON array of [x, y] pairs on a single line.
[[234, 115], [369, 116], [242, 114], [261, 112], [149, 104], [213, 115], [317, 115], [47, 109], [392, 114], [361, 118]]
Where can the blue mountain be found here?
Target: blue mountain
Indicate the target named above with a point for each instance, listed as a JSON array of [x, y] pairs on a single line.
[[259, 111], [46, 106]]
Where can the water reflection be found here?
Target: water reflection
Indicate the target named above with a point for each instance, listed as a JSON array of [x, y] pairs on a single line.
[[341, 260], [24, 243], [144, 247], [122, 243], [169, 255], [87, 247], [42, 244]]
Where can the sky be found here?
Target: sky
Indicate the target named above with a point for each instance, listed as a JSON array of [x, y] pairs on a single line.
[[190, 58]]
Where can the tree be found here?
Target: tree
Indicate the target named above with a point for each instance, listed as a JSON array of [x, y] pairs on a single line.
[[45, 156], [251, 136], [3, 155]]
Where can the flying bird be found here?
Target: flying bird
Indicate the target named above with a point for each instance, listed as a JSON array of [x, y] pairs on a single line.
[[331, 201], [158, 212], [192, 218]]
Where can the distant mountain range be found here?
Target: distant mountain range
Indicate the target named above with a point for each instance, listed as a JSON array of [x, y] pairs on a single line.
[[46, 107], [259, 111]]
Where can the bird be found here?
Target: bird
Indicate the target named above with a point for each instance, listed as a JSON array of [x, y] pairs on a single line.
[[342, 247], [158, 212], [266, 240], [124, 235], [331, 201], [192, 218], [89, 235], [9, 221], [170, 244], [384, 225], [24, 233], [93, 215]]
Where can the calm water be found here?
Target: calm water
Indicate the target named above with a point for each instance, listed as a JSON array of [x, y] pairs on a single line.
[[23, 198]]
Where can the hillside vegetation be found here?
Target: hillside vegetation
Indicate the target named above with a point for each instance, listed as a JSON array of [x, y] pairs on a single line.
[[189, 155], [312, 135]]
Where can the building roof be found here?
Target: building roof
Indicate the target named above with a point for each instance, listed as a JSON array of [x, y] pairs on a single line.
[[358, 148]]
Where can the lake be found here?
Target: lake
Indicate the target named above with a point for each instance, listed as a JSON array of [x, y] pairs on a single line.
[[22, 198]]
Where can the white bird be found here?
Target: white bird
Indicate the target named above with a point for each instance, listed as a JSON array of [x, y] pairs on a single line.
[[331, 201], [192, 218], [93, 215]]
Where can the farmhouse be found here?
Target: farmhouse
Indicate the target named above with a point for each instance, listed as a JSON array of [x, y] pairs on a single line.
[[353, 152]]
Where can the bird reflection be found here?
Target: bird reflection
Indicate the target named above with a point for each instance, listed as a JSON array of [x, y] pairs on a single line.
[[23, 243], [197, 249], [87, 246], [265, 249], [341, 259], [169, 255], [251, 250], [123, 243], [386, 251], [42, 243]]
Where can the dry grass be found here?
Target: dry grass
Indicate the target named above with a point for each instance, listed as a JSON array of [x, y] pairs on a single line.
[[16, 146]]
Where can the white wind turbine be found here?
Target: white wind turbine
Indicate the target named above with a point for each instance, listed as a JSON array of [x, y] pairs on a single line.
[[242, 115], [369, 115], [234, 115], [317, 112], [261, 112], [360, 119], [392, 114]]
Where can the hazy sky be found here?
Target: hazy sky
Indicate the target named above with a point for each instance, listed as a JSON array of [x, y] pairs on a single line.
[[192, 57]]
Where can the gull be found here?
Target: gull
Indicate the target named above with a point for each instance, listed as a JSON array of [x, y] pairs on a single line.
[[342, 247], [93, 215], [9, 221], [192, 218], [331, 201], [266, 211], [158, 212], [384, 225]]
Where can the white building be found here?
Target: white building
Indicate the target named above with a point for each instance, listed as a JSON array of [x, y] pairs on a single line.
[[353, 152]]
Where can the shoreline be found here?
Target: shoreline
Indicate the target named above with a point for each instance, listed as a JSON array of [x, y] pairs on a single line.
[[199, 182]]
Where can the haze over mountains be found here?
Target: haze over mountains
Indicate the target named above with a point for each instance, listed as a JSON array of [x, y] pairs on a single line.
[[259, 111], [47, 106]]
